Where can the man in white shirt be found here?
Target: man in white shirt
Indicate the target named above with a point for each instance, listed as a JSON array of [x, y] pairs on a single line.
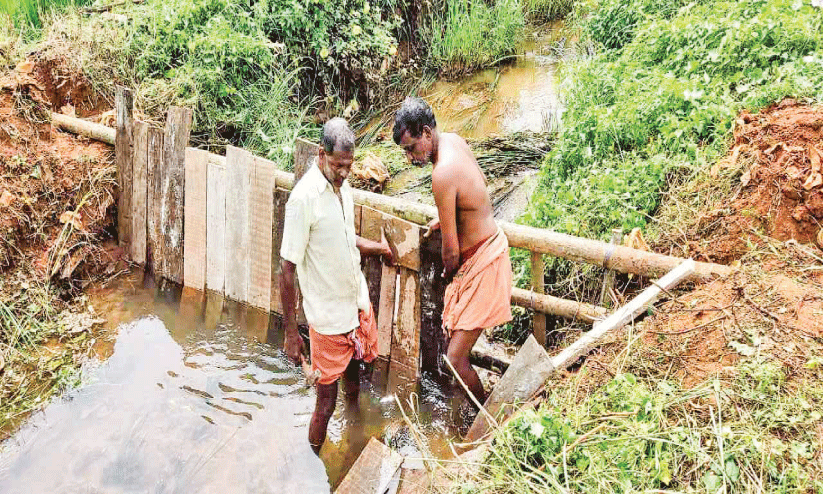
[[320, 244]]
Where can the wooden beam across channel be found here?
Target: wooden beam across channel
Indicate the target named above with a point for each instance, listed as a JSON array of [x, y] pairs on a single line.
[[216, 226], [139, 191], [196, 211], [178, 128]]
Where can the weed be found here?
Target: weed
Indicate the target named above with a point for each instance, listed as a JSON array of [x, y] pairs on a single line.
[[547, 10]]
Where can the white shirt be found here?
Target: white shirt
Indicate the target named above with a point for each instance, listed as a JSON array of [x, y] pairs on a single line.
[[319, 238]]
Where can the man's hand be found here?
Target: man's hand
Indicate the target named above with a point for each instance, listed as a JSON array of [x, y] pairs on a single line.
[[386, 252], [433, 226], [293, 345]]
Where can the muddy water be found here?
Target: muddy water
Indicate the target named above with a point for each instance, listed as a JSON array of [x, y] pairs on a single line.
[[518, 96], [195, 395]]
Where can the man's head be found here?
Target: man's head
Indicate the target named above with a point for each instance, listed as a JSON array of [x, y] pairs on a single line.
[[336, 151], [415, 130]]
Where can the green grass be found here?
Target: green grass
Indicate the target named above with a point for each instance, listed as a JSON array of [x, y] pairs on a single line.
[[466, 35], [27, 14], [547, 10]]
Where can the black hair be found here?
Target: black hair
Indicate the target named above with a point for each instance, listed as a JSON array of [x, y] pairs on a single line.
[[337, 135], [412, 116]]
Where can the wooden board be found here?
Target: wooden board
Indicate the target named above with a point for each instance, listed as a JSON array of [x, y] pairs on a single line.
[[153, 193], [178, 127], [385, 309], [194, 226], [370, 228], [433, 342], [213, 312], [260, 231], [123, 104], [239, 164], [279, 199], [139, 191], [216, 227], [374, 471], [304, 154], [527, 372], [404, 237], [405, 351], [539, 321], [358, 212]]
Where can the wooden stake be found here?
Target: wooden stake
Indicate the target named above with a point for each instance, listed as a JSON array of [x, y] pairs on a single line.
[[539, 321], [123, 105]]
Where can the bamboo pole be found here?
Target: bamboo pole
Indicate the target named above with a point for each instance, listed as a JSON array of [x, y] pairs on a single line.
[[548, 304], [84, 127]]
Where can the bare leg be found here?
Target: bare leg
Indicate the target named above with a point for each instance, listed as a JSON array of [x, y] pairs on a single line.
[[458, 354], [323, 410], [351, 386]]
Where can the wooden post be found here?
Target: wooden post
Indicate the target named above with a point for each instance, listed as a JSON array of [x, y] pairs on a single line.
[[139, 192], [196, 211], [539, 321], [260, 228], [608, 280], [216, 226], [178, 128], [304, 154], [123, 104], [154, 180], [432, 288], [279, 199]]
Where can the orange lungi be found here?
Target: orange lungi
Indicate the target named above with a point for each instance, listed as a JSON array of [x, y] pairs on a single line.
[[479, 295], [331, 353]]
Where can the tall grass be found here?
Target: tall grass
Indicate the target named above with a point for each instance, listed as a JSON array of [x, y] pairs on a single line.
[[547, 10], [26, 14], [466, 35]]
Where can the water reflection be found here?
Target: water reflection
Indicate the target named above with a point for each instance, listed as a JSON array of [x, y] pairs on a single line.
[[196, 397]]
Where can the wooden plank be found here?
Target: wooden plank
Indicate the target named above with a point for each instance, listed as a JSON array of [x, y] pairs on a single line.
[[405, 351], [304, 154], [139, 191], [539, 319], [527, 372], [358, 212], [238, 166], [196, 209], [178, 127], [123, 105], [385, 310], [371, 229], [260, 231], [433, 342], [216, 227], [404, 238], [154, 179], [374, 471], [213, 312], [279, 198]]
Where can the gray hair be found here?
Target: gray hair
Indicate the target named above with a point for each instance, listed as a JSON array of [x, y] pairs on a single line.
[[337, 135]]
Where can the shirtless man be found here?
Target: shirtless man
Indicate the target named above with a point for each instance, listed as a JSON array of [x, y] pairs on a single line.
[[475, 251]]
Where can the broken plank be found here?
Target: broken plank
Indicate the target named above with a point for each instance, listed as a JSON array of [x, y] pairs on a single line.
[[238, 165], [385, 319], [153, 192], [260, 232], [528, 371], [404, 238], [196, 211], [139, 190], [123, 105], [405, 351], [374, 471], [178, 127], [279, 199], [216, 227]]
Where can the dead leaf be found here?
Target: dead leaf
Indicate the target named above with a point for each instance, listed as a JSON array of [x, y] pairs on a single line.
[[6, 198], [371, 168], [25, 67], [800, 213], [68, 110], [794, 172], [635, 240], [820, 238], [814, 180], [774, 148], [746, 178], [73, 218]]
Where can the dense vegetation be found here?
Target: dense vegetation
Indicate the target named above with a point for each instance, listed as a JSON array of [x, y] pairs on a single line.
[[659, 97]]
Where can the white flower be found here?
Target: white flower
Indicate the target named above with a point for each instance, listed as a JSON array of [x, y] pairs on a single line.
[[536, 429]]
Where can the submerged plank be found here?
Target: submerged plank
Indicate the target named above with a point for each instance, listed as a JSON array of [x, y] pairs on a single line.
[[194, 226], [374, 471]]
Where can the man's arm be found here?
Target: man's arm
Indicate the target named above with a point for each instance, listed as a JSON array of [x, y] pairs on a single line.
[[445, 196], [371, 248], [288, 296]]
